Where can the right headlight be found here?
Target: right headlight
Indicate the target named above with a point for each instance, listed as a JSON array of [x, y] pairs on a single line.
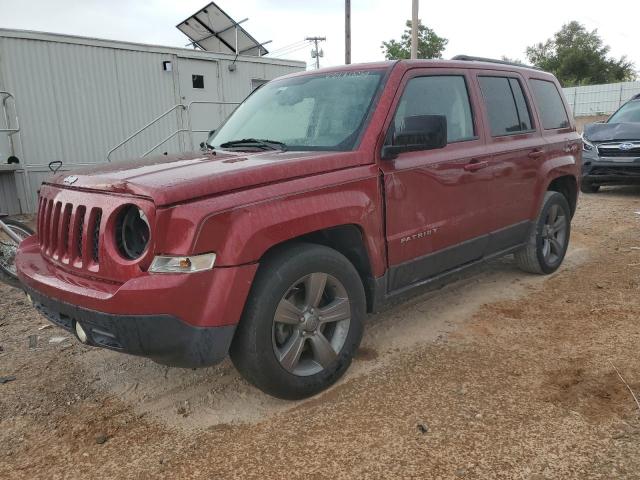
[[587, 146]]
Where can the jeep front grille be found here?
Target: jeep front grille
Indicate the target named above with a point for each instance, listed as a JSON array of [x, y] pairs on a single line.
[[69, 233]]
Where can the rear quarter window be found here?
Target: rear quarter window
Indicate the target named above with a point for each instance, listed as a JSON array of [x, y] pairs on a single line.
[[552, 112]]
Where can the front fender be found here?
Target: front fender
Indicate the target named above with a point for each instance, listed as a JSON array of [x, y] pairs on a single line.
[[240, 227], [250, 231]]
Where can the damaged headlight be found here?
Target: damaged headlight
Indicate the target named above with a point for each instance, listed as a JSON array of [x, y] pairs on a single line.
[[132, 232]]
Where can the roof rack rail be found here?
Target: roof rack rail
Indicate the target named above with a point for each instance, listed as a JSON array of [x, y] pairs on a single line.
[[469, 58]]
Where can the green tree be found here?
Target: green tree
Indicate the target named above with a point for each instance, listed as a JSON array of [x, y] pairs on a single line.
[[579, 57], [430, 45], [504, 58]]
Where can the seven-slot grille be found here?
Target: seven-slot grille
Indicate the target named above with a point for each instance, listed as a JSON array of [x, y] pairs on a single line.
[[69, 233], [630, 150]]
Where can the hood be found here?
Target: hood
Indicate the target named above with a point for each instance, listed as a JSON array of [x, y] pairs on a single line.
[[178, 178], [605, 132]]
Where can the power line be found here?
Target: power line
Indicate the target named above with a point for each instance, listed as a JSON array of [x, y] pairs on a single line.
[[292, 49], [291, 45], [281, 54]]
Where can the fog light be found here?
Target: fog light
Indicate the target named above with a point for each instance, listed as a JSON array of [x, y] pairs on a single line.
[[82, 335]]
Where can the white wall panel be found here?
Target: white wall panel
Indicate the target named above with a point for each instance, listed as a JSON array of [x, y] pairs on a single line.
[[78, 97]]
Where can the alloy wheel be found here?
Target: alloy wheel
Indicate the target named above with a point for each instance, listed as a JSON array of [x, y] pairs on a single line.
[[554, 235], [311, 324]]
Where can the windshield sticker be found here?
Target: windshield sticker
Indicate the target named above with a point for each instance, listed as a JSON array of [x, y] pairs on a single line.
[[357, 73]]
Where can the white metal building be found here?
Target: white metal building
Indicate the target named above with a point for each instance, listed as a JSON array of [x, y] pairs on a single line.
[[76, 99]]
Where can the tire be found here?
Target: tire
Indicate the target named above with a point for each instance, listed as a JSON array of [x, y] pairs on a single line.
[[289, 359], [7, 252], [587, 187], [548, 241]]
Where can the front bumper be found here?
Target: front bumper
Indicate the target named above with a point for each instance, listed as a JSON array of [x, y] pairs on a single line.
[[610, 172], [184, 320], [163, 338]]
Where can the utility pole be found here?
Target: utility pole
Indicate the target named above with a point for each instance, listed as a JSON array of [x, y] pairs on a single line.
[[347, 32], [315, 53], [414, 30]]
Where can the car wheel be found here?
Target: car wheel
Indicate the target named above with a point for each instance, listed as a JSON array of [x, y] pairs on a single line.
[[548, 241], [586, 187], [302, 323]]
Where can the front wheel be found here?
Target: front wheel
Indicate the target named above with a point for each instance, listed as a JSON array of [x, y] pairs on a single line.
[[8, 249], [302, 323], [548, 241]]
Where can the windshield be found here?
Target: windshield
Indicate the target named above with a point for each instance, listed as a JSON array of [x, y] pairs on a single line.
[[311, 112], [629, 112]]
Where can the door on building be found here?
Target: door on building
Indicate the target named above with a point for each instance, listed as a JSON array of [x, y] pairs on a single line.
[[199, 82]]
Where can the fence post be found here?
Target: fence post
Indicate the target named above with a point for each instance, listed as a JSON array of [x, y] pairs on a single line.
[[620, 99]]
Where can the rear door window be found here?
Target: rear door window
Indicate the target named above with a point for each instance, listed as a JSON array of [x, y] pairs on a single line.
[[506, 105], [552, 112], [438, 95]]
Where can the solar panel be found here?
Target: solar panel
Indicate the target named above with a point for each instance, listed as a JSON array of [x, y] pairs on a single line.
[[211, 29]]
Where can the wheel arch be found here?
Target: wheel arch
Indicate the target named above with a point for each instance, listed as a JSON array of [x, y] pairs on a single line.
[[567, 185], [347, 239]]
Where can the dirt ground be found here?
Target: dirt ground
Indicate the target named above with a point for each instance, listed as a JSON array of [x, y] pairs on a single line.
[[499, 375]]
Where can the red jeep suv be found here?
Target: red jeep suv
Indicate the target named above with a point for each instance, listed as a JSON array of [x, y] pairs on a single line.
[[323, 196]]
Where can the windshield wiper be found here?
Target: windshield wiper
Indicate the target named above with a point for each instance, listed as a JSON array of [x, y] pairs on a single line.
[[256, 142]]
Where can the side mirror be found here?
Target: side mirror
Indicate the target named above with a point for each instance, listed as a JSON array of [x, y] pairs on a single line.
[[420, 132]]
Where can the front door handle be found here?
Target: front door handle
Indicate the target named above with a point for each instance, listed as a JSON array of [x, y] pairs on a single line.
[[536, 153], [474, 165]]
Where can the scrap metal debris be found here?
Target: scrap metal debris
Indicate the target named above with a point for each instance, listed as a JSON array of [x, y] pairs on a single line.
[[8, 379]]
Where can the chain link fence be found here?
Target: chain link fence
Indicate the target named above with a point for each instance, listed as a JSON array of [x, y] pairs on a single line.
[[600, 100]]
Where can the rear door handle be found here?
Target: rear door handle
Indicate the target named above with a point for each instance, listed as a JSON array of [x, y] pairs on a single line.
[[536, 153], [474, 165]]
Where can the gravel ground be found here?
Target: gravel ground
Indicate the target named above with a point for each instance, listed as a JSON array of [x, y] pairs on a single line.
[[499, 375]]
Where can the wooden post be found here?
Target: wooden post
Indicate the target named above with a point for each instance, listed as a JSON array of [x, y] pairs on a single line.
[[347, 32], [414, 30]]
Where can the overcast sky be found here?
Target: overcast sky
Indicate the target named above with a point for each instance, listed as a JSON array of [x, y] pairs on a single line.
[[484, 28]]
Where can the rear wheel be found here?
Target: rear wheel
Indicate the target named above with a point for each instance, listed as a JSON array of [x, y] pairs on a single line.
[[8, 249], [587, 187], [302, 323], [548, 241]]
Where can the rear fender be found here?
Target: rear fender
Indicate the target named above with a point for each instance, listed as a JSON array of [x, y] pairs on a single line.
[[553, 168]]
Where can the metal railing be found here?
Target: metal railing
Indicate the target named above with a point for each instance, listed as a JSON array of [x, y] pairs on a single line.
[[137, 132], [189, 129], [9, 131]]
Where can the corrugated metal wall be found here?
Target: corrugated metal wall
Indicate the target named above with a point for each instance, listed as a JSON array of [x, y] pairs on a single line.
[[8, 193], [76, 101], [595, 100]]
